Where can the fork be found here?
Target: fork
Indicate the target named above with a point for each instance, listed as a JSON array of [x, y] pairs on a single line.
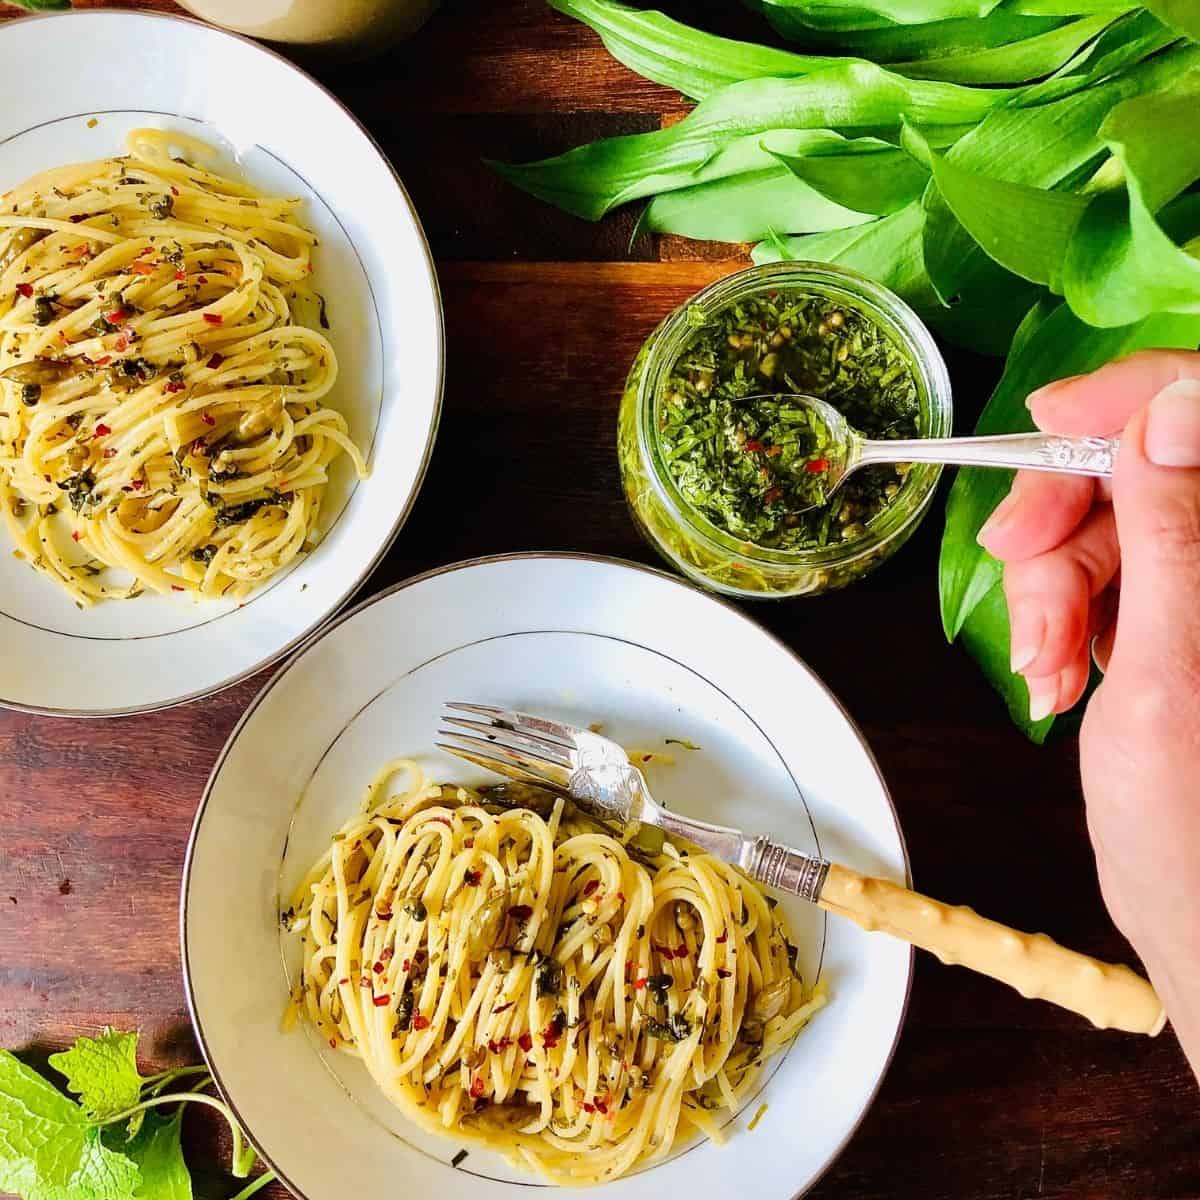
[[597, 775]]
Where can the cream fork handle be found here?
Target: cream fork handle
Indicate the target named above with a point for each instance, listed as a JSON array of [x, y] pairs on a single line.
[[1111, 996]]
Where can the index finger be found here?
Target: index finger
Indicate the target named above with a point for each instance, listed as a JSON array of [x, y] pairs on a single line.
[[1102, 402]]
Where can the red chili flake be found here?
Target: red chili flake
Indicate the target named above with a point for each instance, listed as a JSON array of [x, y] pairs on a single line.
[[420, 1022], [75, 536], [102, 430], [472, 877], [602, 1106], [816, 466], [682, 951], [774, 451], [640, 983], [723, 938], [111, 452], [588, 1108], [476, 1087], [722, 973], [174, 385], [214, 362], [121, 344], [176, 588], [772, 495], [103, 361], [214, 318], [377, 968], [520, 912], [503, 1007], [665, 951], [387, 954], [365, 981], [525, 1041], [469, 843], [25, 289], [590, 886], [384, 914], [341, 981], [621, 897], [144, 251], [380, 1001], [140, 268], [549, 1037], [332, 1041], [497, 1047], [752, 446], [208, 418], [180, 275], [202, 278], [174, 190], [117, 316], [137, 484], [444, 821], [406, 965]]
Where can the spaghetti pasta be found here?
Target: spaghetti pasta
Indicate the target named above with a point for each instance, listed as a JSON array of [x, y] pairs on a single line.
[[162, 373], [525, 980]]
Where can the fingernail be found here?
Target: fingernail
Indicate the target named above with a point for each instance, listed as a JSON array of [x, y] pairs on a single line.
[[1028, 630], [1043, 695], [1002, 516], [1173, 425], [1047, 388]]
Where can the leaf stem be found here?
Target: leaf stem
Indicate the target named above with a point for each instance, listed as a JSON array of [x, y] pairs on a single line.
[[243, 1156], [253, 1187]]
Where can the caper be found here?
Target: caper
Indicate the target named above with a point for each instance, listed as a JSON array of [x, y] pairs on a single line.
[[31, 393], [43, 310], [770, 1000], [485, 923]]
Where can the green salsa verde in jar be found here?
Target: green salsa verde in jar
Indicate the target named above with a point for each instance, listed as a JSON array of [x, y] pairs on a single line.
[[726, 477]]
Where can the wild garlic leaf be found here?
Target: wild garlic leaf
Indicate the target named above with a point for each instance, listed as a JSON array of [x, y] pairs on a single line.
[[49, 1150], [673, 54], [1025, 229], [864, 175], [746, 207], [1017, 62], [158, 1153], [871, 14], [1183, 15], [855, 97], [1122, 265], [102, 1072]]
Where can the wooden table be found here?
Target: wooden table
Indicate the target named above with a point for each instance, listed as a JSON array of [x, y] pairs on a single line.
[[989, 1096]]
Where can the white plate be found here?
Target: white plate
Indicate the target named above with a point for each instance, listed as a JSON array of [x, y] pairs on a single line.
[[587, 640], [284, 133]]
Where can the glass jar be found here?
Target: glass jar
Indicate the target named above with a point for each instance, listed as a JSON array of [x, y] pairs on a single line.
[[711, 556]]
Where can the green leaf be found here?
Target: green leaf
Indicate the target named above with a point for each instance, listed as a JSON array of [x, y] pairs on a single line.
[[1183, 15], [986, 636], [865, 175], [1039, 147], [1016, 62], [102, 1072], [855, 97], [867, 14], [1025, 229], [158, 1153], [43, 5], [901, 43], [1050, 345], [48, 1148], [1122, 266], [744, 208], [673, 54]]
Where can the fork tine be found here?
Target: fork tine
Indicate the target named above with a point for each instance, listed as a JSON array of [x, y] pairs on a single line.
[[521, 774], [523, 759], [521, 722], [542, 747]]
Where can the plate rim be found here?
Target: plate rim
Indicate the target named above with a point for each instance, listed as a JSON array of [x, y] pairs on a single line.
[[336, 610], [466, 564]]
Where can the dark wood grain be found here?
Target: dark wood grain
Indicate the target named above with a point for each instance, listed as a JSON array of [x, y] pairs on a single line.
[[989, 1096]]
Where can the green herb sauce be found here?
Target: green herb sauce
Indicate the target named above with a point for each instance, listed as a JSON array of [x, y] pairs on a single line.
[[752, 465]]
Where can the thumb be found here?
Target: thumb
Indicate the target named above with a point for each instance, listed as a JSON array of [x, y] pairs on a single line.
[[1156, 501]]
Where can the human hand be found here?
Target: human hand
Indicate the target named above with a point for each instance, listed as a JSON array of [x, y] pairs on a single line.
[[1116, 573]]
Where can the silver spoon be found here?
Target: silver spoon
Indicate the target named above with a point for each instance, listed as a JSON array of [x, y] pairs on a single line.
[[841, 450]]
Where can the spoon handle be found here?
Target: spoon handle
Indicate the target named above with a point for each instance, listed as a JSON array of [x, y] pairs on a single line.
[[1025, 451]]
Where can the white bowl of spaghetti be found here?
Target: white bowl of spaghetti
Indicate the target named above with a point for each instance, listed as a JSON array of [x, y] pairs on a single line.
[[220, 361], [397, 973]]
